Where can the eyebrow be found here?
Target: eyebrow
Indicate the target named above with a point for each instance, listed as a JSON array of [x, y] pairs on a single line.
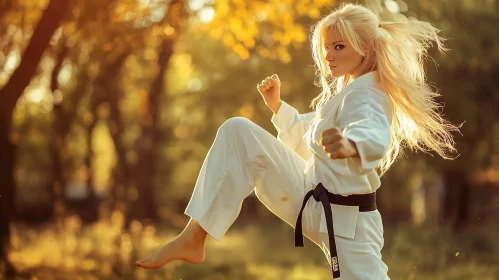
[[335, 42]]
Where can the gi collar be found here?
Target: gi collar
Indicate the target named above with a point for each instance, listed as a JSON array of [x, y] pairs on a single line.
[[369, 79]]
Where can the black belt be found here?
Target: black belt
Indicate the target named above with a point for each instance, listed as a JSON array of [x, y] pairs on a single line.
[[366, 202]]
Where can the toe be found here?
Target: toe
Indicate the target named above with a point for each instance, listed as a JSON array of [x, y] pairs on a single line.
[[142, 261], [149, 264]]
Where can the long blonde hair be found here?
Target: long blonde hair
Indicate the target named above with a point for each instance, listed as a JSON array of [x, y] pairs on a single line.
[[397, 54]]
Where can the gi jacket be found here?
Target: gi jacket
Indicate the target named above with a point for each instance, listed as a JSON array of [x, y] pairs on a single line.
[[362, 111]]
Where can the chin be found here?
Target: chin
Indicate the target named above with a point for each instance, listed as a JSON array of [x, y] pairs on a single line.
[[336, 74]]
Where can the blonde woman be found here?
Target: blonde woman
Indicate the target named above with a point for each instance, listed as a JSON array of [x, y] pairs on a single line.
[[374, 99]]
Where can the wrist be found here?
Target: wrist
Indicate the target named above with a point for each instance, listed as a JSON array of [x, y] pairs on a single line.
[[353, 148], [275, 106]]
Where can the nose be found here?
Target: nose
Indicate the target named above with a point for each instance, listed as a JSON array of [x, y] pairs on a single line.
[[329, 57]]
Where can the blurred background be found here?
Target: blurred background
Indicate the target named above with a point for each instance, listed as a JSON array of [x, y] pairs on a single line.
[[109, 108]]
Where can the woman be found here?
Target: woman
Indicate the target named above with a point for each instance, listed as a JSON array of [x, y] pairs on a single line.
[[374, 98]]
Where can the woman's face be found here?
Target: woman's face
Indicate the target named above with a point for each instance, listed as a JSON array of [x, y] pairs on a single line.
[[341, 58]]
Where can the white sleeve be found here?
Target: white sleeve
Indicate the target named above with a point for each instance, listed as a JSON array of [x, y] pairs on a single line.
[[291, 128], [364, 119]]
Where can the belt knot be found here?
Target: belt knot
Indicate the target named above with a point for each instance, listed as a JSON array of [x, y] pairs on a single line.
[[318, 191]]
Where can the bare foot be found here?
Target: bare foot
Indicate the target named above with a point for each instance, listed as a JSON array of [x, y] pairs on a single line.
[[188, 246]]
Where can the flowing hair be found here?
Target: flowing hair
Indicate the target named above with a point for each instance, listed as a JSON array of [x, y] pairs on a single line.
[[397, 53]]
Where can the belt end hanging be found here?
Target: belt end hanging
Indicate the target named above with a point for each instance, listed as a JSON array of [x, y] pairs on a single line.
[[299, 241]]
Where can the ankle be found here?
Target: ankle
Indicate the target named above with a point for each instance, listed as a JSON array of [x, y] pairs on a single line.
[[196, 237], [194, 231]]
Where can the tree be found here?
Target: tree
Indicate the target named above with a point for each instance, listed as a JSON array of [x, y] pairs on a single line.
[[9, 95]]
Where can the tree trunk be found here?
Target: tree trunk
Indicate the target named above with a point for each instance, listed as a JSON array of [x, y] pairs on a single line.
[[9, 95], [448, 198], [7, 196], [148, 142], [91, 211], [108, 91], [456, 199], [57, 184], [122, 172], [152, 133], [462, 203]]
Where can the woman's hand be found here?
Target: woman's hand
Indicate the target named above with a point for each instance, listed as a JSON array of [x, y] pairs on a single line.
[[336, 145], [270, 90]]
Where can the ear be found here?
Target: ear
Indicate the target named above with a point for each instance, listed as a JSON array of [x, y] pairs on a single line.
[[366, 48]]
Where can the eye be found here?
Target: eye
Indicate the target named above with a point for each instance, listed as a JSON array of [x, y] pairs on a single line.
[[326, 48], [339, 47]]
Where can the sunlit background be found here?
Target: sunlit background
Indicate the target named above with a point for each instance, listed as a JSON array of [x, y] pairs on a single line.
[[109, 108]]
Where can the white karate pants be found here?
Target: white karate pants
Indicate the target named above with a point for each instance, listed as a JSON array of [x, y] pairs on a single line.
[[245, 157]]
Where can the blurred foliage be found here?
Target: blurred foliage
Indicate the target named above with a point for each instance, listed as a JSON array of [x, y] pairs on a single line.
[[248, 251], [98, 116]]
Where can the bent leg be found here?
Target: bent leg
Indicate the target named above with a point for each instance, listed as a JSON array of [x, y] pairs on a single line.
[[245, 157], [360, 258]]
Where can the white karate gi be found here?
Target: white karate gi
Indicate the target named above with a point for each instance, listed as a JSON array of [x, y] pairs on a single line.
[[244, 157]]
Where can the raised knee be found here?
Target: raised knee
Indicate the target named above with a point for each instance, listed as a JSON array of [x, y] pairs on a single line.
[[236, 123]]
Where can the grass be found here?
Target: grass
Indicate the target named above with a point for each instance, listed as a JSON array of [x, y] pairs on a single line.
[[250, 251]]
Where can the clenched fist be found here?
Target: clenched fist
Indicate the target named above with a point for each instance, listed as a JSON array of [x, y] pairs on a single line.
[[336, 145], [270, 89]]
